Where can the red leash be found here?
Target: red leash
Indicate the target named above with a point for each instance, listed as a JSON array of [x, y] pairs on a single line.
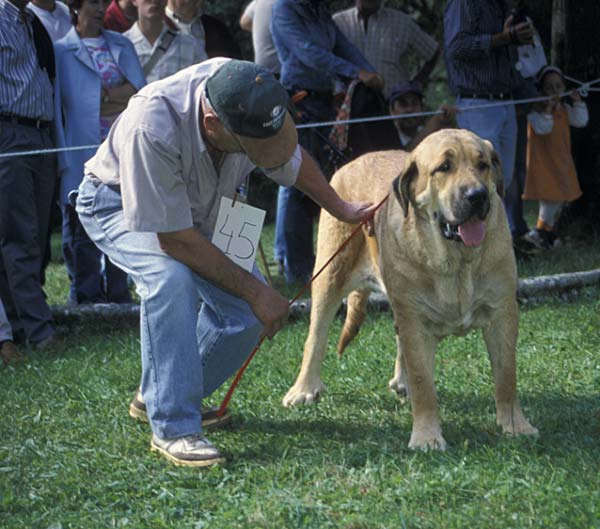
[[223, 408]]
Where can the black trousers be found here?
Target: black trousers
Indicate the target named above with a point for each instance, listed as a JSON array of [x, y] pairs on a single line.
[[26, 190]]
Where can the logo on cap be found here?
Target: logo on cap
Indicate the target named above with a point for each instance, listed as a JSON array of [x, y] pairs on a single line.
[[277, 114]]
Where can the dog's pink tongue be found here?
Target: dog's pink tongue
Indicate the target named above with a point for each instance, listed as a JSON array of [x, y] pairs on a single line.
[[472, 232]]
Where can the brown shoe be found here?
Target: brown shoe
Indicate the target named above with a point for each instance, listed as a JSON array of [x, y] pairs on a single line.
[[50, 343], [137, 410], [189, 451], [10, 353]]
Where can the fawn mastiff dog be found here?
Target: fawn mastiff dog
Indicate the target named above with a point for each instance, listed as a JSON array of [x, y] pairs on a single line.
[[443, 254]]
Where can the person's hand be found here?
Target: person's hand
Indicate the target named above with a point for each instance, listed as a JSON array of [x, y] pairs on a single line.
[[355, 212], [371, 79], [552, 104], [271, 308], [575, 96], [447, 118], [521, 33]]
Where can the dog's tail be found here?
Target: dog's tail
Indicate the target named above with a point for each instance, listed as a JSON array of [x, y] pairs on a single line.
[[357, 304]]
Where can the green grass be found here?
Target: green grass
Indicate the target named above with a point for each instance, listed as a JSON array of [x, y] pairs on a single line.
[[70, 456]]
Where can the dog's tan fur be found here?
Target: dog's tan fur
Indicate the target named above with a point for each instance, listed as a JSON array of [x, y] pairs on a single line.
[[436, 287]]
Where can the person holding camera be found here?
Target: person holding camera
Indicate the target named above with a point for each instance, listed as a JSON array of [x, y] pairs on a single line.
[[480, 40]]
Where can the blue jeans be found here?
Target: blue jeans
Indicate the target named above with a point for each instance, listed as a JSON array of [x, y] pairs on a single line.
[[512, 195], [294, 235], [295, 211], [194, 336], [92, 280], [498, 125]]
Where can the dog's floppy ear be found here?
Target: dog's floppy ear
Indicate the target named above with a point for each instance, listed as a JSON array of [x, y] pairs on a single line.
[[401, 186], [497, 169]]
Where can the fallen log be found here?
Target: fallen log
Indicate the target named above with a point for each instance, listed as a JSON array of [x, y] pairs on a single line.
[[528, 289]]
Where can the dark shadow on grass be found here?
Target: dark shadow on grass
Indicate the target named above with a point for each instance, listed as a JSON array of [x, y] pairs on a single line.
[[566, 423]]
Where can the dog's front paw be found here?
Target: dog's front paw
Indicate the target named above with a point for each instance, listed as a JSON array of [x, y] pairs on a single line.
[[427, 439], [517, 425], [303, 393]]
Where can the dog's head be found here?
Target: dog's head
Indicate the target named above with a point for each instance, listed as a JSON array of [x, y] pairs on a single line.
[[450, 178]]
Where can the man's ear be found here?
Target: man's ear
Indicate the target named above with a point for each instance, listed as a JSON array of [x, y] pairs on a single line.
[[401, 186], [497, 169], [211, 123]]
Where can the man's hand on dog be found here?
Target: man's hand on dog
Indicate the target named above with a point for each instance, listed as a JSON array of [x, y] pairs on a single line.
[[355, 212]]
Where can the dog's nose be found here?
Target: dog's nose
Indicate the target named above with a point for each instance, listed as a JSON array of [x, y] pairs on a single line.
[[476, 196], [477, 200]]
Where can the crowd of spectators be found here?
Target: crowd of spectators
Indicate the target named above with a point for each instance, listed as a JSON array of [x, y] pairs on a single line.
[[70, 93]]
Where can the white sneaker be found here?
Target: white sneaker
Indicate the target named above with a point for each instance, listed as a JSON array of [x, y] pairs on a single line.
[[190, 451], [533, 237]]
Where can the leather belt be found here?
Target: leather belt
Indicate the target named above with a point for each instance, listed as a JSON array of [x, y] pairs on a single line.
[[485, 95], [27, 122]]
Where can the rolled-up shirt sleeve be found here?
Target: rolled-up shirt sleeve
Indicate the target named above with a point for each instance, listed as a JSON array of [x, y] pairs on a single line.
[[287, 174], [154, 193]]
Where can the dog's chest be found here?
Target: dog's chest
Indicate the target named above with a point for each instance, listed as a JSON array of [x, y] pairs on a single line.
[[455, 305]]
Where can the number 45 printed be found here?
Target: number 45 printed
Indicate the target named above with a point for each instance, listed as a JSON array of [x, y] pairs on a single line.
[[237, 231]]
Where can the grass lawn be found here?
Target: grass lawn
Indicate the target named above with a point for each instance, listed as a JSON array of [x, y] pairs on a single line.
[[70, 456]]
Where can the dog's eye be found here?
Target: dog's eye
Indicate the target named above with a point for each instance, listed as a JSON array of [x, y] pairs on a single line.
[[482, 166], [443, 168]]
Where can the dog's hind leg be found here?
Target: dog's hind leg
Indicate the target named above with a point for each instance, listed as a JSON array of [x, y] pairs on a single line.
[[398, 382], [501, 340]]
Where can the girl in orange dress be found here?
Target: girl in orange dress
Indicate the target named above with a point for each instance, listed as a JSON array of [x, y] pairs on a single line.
[[551, 176]]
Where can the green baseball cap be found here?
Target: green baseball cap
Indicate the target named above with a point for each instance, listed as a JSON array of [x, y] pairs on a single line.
[[251, 104]]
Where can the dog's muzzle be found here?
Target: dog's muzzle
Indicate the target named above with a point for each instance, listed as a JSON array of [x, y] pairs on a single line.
[[473, 209]]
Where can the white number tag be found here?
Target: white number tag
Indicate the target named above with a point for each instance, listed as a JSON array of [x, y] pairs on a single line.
[[237, 231]]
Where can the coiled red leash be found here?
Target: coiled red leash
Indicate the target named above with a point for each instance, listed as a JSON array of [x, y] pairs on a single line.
[[223, 408]]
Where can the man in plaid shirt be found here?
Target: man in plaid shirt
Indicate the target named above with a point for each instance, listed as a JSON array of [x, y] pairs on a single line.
[[384, 36]]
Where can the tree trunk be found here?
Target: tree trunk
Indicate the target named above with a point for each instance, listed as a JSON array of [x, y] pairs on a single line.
[[559, 33]]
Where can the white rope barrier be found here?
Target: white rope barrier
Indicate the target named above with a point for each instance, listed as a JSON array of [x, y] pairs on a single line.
[[583, 90]]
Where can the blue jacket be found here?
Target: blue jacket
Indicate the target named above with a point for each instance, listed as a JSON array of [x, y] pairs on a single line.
[[77, 93], [312, 50]]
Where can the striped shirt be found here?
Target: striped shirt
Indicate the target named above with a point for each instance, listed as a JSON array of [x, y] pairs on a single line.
[[473, 66], [389, 36], [25, 89]]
